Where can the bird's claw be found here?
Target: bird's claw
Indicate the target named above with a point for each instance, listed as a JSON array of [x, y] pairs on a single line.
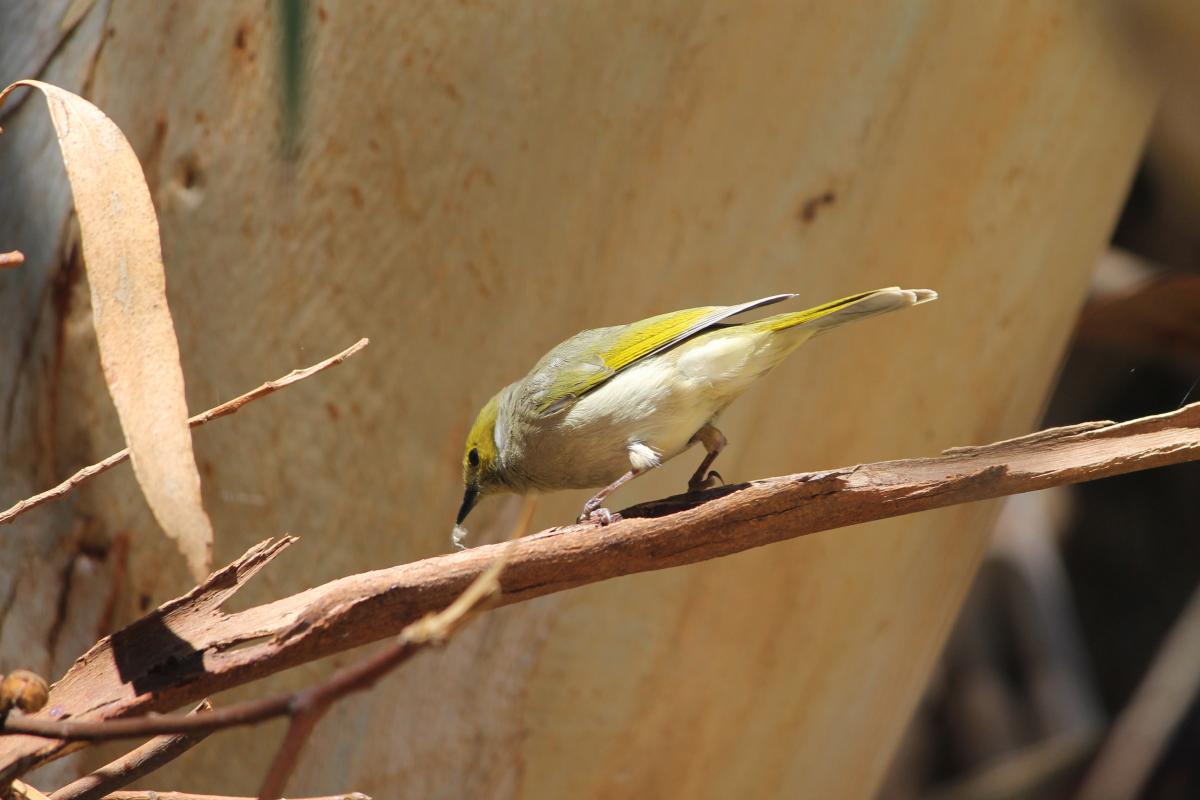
[[601, 515], [712, 479]]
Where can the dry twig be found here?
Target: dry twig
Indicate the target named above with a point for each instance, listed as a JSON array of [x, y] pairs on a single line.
[[189, 648], [190, 796], [309, 705], [222, 410], [134, 764]]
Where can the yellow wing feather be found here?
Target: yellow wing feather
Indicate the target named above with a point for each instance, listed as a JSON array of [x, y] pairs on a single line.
[[609, 350], [588, 359], [790, 320], [584, 362], [848, 309]]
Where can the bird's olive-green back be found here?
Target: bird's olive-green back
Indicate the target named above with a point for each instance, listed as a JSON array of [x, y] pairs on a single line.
[[588, 359]]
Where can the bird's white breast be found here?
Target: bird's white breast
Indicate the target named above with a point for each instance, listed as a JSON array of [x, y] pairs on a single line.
[[647, 413], [662, 401]]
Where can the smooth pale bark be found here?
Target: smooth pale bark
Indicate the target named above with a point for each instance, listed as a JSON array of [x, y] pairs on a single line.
[[477, 183], [56, 568]]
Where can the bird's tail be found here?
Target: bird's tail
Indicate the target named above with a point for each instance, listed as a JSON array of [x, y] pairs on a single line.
[[825, 317]]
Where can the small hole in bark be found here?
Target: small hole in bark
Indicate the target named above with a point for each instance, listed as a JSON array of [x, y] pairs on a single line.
[[190, 176]]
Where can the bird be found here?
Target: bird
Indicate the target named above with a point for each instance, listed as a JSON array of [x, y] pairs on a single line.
[[610, 404]]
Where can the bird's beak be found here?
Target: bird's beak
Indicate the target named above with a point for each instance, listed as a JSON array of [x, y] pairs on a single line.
[[470, 498]]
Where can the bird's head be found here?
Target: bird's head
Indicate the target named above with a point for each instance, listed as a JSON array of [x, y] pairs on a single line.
[[481, 459]]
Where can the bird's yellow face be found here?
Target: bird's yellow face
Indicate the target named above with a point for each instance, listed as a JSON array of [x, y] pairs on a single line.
[[480, 458]]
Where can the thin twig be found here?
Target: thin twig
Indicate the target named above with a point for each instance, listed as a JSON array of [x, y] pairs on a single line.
[[301, 726], [222, 410], [236, 648], [309, 705], [190, 796], [432, 629], [134, 764], [13, 258]]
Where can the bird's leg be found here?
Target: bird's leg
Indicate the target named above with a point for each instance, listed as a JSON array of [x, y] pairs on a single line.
[[593, 509], [714, 442]]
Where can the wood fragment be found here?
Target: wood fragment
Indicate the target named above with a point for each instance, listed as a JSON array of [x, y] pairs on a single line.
[[189, 648]]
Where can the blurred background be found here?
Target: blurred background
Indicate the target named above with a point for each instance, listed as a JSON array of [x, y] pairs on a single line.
[[467, 184], [1074, 667]]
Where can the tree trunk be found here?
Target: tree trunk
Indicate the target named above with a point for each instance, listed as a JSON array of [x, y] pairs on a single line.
[[473, 185]]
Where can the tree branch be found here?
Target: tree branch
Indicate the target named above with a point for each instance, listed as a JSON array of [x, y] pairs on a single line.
[[13, 258], [134, 764], [225, 409], [189, 648], [190, 796], [309, 705]]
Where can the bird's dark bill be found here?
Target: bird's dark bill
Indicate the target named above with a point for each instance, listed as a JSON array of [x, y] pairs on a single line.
[[470, 498]]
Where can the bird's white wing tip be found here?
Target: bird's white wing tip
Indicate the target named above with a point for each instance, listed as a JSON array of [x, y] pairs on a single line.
[[921, 295]]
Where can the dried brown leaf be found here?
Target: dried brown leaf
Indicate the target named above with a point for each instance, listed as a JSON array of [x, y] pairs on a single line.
[[138, 350]]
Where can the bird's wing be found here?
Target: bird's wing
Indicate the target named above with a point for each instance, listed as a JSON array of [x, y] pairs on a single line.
[[587, 360]]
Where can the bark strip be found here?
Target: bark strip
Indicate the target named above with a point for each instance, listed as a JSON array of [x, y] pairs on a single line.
[[189, 648]]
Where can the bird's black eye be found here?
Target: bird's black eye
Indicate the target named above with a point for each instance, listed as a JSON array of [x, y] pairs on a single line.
[[473, 457]]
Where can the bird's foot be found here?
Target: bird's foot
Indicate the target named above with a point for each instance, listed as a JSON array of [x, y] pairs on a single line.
[[712, 479], [601, 515]]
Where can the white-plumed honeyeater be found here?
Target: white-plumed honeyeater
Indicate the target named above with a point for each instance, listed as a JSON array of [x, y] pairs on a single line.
[[608, 404]]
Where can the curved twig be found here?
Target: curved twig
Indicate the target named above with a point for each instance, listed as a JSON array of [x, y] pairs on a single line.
[[225, 409]]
